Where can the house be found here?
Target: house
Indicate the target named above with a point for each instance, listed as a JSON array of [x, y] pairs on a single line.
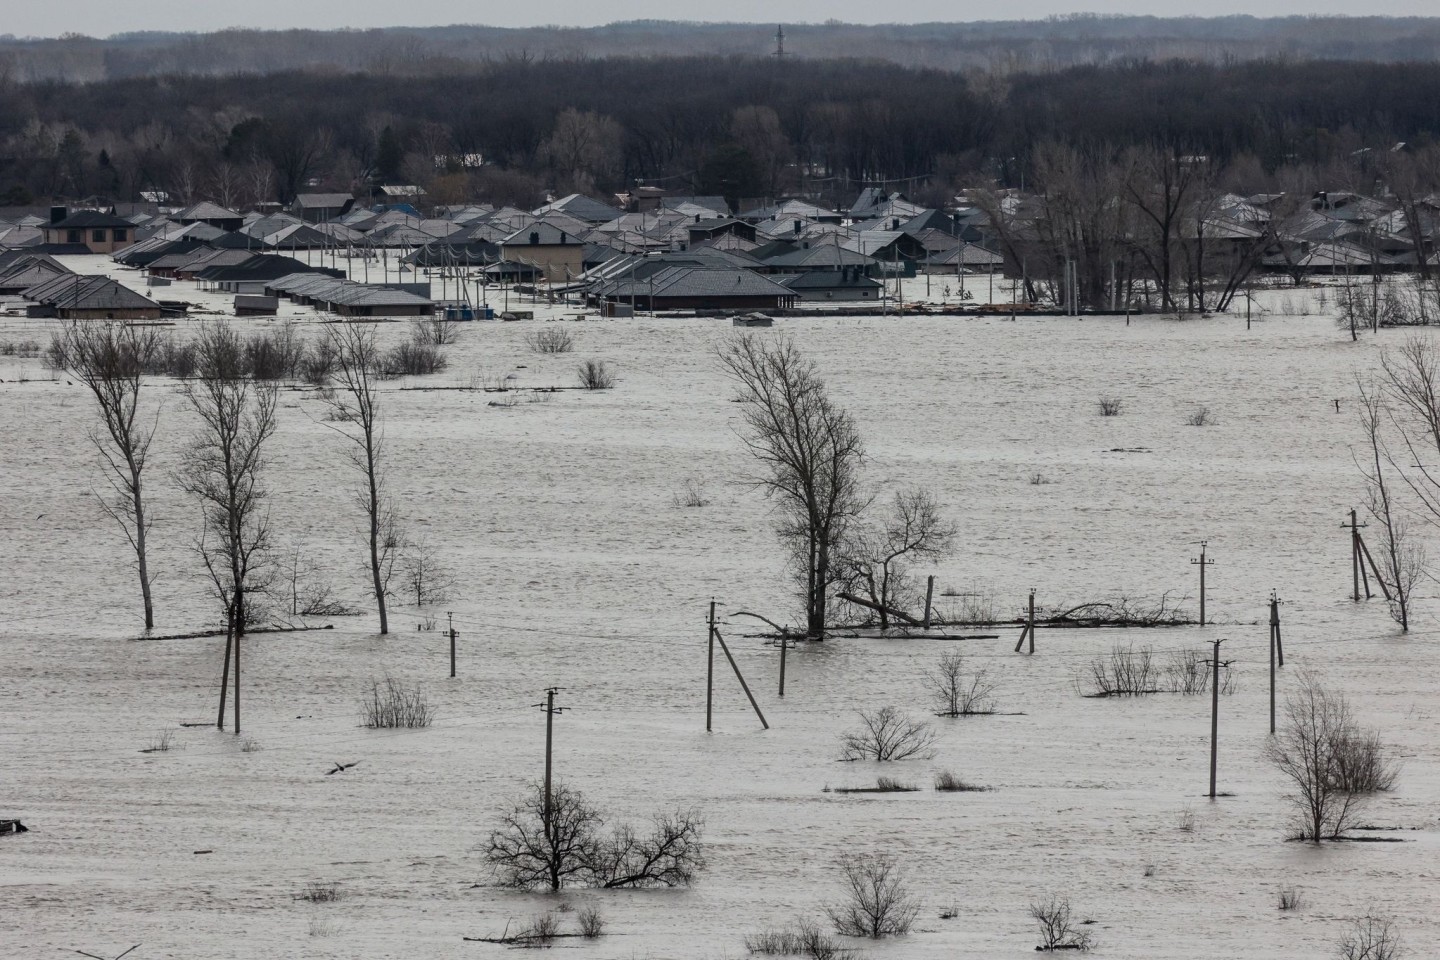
[[97, 232], [681, 287], [349, 299], [251, 276], [211, 213], [580, 207], [850, 283], [559, 253], [18, 274], [702, 230], [322, 207], [77, 297]]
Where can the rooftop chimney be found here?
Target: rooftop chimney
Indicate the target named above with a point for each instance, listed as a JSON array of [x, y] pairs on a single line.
[[59, 213]]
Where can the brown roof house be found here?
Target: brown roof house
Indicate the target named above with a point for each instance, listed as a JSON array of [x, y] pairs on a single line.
[[98, 232]]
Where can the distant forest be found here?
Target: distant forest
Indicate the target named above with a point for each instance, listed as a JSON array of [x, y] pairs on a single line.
[[531, 112]]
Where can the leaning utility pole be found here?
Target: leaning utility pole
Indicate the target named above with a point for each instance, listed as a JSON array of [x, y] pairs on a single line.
[[1276, 650], [1203, 563]]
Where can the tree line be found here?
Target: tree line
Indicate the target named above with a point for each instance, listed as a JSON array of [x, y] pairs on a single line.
[[742, 127], [998, 46]]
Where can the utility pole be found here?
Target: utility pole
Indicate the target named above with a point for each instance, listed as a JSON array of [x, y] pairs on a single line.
[[237, 682], [451, 618], [550, 710], [1215, 713], [1029, 629], [1276, 651], [710, 669], [1202, 563], [1358, 554]]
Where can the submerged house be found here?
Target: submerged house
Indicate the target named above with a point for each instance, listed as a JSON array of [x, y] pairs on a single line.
[[77, 297]]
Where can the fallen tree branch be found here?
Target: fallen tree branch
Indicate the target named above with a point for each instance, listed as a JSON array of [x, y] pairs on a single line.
[[220, 633]]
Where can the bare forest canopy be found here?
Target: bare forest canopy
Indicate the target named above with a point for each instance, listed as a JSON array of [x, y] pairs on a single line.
[[739, 127], [1002, 46]]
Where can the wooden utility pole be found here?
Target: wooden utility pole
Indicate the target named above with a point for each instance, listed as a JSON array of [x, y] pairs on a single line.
[[1355, 559], [1202, 563], [1215, 713], [550, 710], [710, 669], [451, 618], [1276, 651], [784, 645], [929, 596], [1029, 628], [237, 683]]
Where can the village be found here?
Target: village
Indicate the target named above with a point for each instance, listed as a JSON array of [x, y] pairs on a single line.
[[332, 254]]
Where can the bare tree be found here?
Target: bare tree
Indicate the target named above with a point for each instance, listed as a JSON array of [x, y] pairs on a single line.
[[810, 453], [670, 855], [110, 359], [955, 691], [530, 853], [223, 468], [525, 853], [1058, 929], [1372, 938], [306, 591], [877, 903], [875, 560], [1318, 729], [426, 578], [887, 734], [1402, 559], [355, 406]]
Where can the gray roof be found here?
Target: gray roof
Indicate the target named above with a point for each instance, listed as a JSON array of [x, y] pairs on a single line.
[[323, 201], [205, 210], [580, 207], [692, 282], [87, 293]]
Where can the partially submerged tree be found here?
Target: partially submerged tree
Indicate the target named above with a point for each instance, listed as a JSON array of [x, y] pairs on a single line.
[[1402, 558], [222, 471], [877, 902], [887, 734], [355, 405], [110, 360], [425, 577], [957, 691], [530, 853], [810, 453], [1320, 750], [876, 560]]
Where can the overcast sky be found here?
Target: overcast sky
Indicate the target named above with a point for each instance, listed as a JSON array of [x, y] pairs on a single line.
[[104, 17]]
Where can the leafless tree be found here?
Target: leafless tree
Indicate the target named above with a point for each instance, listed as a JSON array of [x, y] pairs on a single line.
[[957, 692], [531, 853], [426, 578], [1317, 731], [223, 468], [527, 853], [1058, 929], [810, 453], [670, 855], [875, 560], [355, 406], [110, 359], [887, 734], [877, 902], [1160, 185], [306, 591], [1372, 938], [1402, 559]]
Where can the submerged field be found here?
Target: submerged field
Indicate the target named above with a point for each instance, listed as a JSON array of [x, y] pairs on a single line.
[[577, 569]]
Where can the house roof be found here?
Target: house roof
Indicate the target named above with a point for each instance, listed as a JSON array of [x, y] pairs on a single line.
[[323, 201], [691, 282], [205, 210], [830, 280], [581, 207], [78, 292], [90, 220]]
